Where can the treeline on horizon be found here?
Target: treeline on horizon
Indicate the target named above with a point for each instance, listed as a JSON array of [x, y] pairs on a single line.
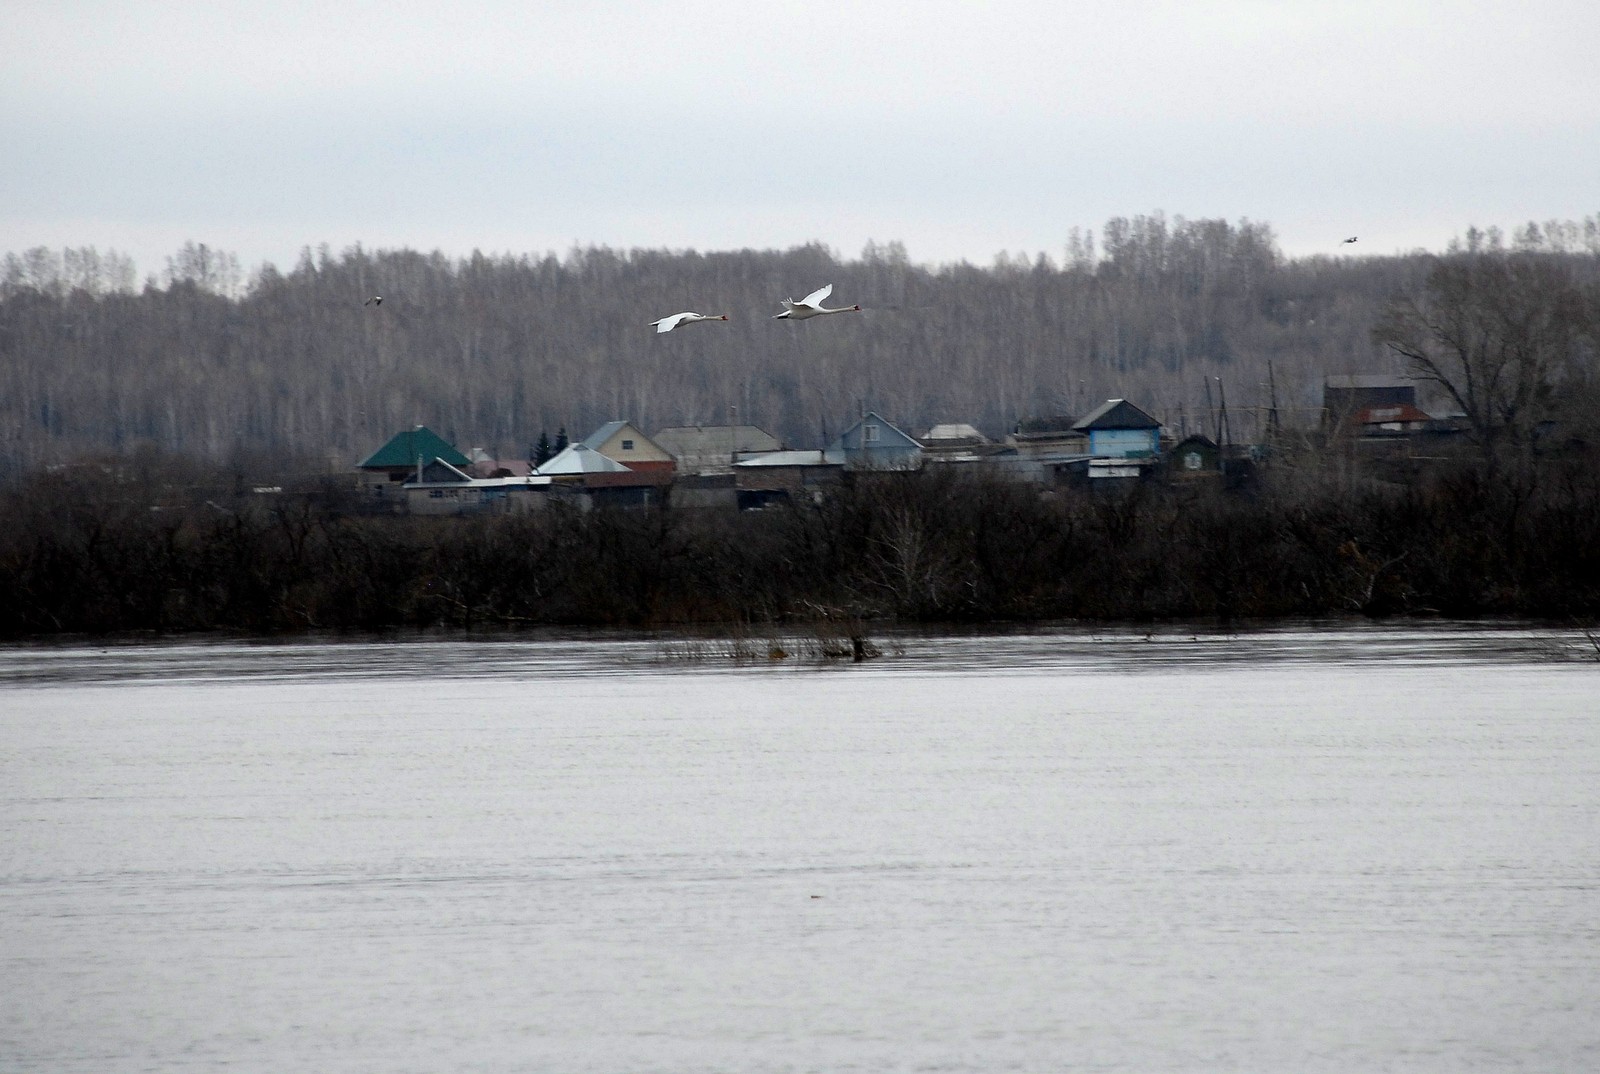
[[492, 351], [97, 550]]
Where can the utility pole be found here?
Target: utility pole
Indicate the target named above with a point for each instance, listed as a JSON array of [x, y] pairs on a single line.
[[1211, 413], [1222, 419], [1272, 415]]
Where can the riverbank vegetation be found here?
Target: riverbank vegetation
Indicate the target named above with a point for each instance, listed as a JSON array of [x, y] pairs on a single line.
[[98, 549]]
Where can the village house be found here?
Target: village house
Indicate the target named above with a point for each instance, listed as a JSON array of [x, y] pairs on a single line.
[[957, 442], [779, 475], [873, 443], [1344, 397], [1124, 443], [606, 481], [1052, 436], [621, 442], [1117, 429], [713, 449], [403, 458], [442, 489]]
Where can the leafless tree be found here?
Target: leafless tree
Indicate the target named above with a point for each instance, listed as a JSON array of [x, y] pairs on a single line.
[[1498, 334]]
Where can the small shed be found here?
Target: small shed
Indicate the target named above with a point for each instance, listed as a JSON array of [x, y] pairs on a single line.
[[1194, 457]]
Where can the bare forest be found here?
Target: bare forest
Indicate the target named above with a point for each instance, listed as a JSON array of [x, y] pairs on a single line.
[[493, 350]]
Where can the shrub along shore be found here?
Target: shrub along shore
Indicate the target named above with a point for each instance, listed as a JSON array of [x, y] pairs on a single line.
[[99, 550]]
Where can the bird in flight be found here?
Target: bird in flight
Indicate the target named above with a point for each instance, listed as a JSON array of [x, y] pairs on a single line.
[[1351, 239], [810, 306], [375, 300], [667, 324]]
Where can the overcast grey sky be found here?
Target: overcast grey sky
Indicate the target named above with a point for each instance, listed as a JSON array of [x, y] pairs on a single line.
[[961, 129]]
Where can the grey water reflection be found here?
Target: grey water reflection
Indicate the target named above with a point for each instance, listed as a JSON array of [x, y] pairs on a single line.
[[1023, 650], [1321, 847]]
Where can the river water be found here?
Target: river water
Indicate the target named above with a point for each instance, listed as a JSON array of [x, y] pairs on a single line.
[[1318, 848]]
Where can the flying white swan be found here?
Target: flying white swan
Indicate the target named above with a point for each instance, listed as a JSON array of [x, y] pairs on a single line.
[[667, 324], [810, 306]]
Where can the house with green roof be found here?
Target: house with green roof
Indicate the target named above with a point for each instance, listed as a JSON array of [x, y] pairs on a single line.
[[402, 458]]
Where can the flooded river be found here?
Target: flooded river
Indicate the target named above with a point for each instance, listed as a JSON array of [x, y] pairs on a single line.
[[1347, 848]]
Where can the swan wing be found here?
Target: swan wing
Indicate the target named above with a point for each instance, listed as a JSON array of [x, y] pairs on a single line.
[[667, 324], [815, 297]]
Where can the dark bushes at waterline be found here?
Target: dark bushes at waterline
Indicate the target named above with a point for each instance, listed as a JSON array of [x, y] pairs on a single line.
[[99, 556]]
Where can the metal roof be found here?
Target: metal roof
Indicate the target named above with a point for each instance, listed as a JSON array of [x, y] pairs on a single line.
[[596, 440], [403, 449], [795, 458], [713, 439], [1378, 415], [486, 483], [889, 437], [1116, 414], [579, 458], [954, 431]]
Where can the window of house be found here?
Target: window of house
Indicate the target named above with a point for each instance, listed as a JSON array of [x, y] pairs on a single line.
[[869, 433], [1191, 461], [627, 445], [436, 494]]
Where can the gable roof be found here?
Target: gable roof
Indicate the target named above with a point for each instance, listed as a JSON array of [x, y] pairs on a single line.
[[888, 436], [580, 458], [403, 449], [1116, 414], [714, 439], [596, 440]]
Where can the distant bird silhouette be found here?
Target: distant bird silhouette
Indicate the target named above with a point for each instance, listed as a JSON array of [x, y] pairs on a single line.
[[1351, 239], [375, 300], [667, 324], [810, 306]]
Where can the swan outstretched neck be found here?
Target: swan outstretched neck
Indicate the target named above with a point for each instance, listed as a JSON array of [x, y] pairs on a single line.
[[667, 324], [810, 306]]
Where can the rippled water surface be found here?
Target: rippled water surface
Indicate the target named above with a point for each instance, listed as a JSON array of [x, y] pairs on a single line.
[[1316, 849]]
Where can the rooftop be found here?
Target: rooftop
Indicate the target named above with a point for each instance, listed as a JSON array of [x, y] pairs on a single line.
[[1116, 414], [405, 449]]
